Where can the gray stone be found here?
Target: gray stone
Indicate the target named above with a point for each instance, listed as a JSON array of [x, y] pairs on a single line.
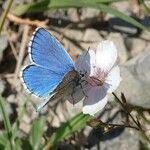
[[89, 13], [73, 110], [146, 21], [25, 127], [135, 45], [73, 34], [145, 35], [119, 138], [122, 6], [73, 14], [57, 14], [135, 82], [119, 42], [2, 86], [71, 40], [126, 140], [91, 35], [91, 39], [3, 45], [119, 25]]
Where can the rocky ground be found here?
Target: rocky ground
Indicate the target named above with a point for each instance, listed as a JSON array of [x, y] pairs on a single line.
[[78, 30]]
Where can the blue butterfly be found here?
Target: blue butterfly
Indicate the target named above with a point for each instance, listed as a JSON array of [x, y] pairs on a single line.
[[52, 72]]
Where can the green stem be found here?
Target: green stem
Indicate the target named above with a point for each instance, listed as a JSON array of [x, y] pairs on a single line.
[[4, 15], [6, 122]]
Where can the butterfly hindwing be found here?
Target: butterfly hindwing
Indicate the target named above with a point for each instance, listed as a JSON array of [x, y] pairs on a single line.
[[40, 81], [65, 88]]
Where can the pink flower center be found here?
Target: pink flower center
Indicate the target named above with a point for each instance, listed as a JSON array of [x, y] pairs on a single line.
[[98, 78]]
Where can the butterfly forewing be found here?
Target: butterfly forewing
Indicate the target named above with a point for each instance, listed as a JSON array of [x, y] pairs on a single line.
[[45, 50]]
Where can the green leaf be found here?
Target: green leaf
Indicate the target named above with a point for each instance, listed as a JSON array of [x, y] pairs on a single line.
[[2, 146], [18, 144], [36, 133], [10, 134], [4, 14], [55, 4], [26, 144], [10, 141], [3, 140], [5, 117], [76, 123]]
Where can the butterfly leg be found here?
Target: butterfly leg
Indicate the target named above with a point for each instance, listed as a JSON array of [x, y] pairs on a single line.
[[83, 90], [73, 91], [81, 86]]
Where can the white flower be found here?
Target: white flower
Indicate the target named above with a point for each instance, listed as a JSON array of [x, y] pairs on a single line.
[[100, 76]]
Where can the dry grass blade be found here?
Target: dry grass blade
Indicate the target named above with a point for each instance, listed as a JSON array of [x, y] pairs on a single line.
[[22, 50], [19, 20], [107, 127]]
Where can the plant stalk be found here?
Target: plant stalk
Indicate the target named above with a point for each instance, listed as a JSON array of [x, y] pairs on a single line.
[[4, 14]]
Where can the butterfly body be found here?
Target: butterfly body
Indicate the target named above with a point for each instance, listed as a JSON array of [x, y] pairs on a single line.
[[69, 82], [64, 89], [51, 74]]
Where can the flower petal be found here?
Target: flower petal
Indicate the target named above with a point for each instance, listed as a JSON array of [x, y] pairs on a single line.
[[113, 79], [85, 62], [106, 55], [95, 101]]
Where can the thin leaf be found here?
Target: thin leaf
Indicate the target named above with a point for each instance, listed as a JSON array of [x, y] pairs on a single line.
[[6, 120], [107, 127], [48, 4], [76, 123], [3, 139], [36, 133], [5, 116], [4, 15], [54, 4], [26, 144], [9, 138]]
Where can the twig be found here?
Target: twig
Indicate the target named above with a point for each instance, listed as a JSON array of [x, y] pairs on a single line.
[[144, 4], [123, 126], [136, 121], [22, 50], [8, 75], [3, 17], [96, 123], [126, 110], [13, 48], [134, 6], [19, 20]]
